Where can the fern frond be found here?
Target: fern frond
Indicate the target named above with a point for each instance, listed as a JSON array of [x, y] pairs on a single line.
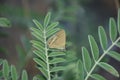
[[96, 57], [10, 72], [47, 59]]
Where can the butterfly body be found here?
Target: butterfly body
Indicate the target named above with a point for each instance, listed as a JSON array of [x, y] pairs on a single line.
[[58, 40]]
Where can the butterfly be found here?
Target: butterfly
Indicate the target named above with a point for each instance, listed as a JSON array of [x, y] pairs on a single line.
[[58, 40]]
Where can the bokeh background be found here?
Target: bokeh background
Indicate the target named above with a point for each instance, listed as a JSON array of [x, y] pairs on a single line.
[[78, 17]]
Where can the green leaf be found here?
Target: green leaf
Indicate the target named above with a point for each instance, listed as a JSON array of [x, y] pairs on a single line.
[[40, 50], [86, 59], [24, 75], [47, 19], [54, 54], [37, 42], [5, 69], [14, 75], [4, 22], [38, 32], [40, 27], [109, 68], [114, 55], [59, 68], [52, 26], [112, 29], [94, 47], [56, 60], [38, 37], [80, 71], [118, 21], [102, 37], [97, 77], [52, 32], [44, 72], [41, 63], [37, 46], [40, 55]]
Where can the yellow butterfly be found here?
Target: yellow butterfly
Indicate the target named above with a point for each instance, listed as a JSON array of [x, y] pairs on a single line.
[[58, 40]]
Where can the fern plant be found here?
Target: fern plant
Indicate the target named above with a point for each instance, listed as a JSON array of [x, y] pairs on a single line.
[[89, 63], [48, 60], [10, 72]]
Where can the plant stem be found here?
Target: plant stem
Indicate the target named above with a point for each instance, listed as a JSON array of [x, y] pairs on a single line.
[[46, 53], [102, 56]]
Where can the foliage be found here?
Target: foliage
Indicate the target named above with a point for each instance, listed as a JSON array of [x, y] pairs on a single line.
[[4, 22], [10, 72], [91, 62], [87, 63], [50, 61]]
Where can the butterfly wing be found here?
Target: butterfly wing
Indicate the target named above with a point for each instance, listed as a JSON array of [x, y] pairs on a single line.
[[58, 40]]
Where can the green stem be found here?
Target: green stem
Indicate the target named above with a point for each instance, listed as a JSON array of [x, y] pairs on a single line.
[[102, 56], [46, 53]]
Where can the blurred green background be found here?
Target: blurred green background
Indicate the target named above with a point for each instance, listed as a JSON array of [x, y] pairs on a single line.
[[78, 17]]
